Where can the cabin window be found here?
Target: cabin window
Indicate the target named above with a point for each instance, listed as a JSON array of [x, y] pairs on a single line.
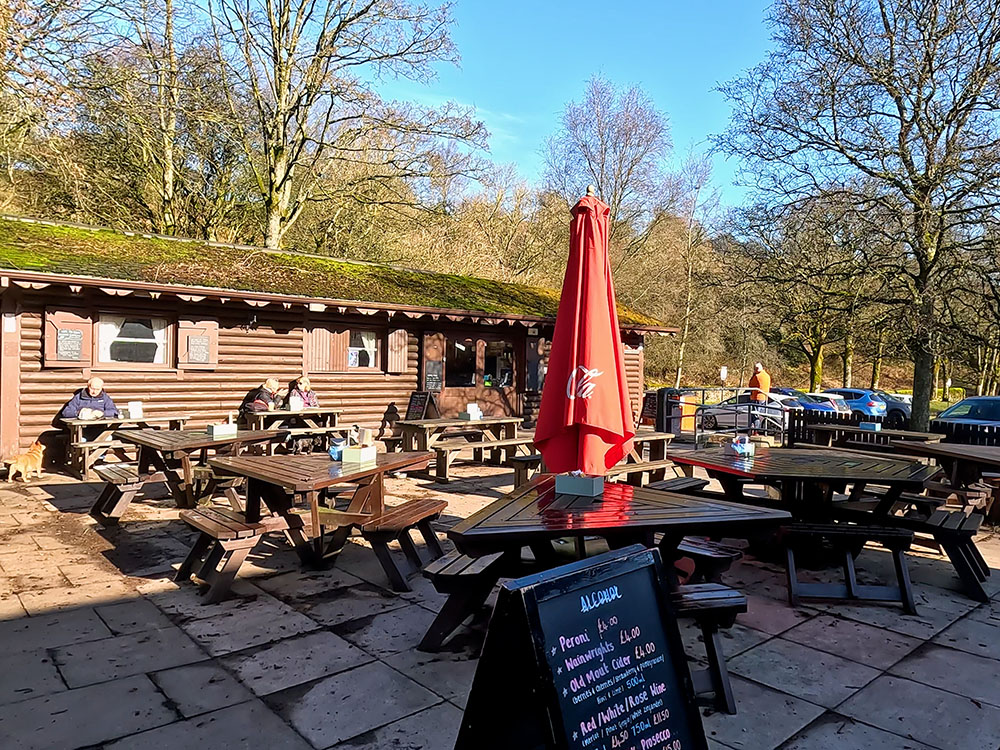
[[132, 339], [498, 364], [460, 363], [362, 350]]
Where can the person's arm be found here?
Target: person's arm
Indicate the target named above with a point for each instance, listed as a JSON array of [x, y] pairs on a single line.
[[72, 408], [110, 410]]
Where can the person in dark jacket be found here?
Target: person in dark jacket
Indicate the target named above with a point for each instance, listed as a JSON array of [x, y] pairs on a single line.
[[265, 397], [92, 400]]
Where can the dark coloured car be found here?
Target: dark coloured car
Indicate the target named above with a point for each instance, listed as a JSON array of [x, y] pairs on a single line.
[[973, 410], [897, 411]]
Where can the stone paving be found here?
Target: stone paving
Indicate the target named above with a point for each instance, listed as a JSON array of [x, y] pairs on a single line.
[[102, 649]]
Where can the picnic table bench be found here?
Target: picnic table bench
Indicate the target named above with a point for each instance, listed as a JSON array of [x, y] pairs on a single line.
[[833, 434], [307, 422], [422, 434], [500, 452], [92, 440]]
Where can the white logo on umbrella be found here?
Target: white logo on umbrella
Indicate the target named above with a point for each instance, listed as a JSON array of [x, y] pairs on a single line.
[[581, 382]]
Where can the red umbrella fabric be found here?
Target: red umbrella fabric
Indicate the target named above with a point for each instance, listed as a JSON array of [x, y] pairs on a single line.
[[585, 419]]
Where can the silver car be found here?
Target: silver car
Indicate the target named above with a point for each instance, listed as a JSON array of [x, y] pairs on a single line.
[[735, 412]]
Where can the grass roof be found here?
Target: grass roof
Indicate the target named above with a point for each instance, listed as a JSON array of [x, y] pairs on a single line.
[[107, 254]]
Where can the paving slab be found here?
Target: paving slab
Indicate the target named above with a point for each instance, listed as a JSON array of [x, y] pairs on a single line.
[[85, 716], [294, 661], [201, 687], [975, 636], [771, 616], [50, 631], [182, 602], [852, 640], [834, 732], [801, 671], [254, 624], [959, 672], [938, 718], [72, 597], [746, 731], [351, 603], [447, 674], [11, 608], [389, 632], [245, 726], [435, 728], [301, 586], [28, 674], [135, 616], [927, 623], [124, 655], [351, 703]]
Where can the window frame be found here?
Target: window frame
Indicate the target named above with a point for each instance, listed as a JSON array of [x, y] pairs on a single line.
[[336, 330], [380, 344], [170, 343]]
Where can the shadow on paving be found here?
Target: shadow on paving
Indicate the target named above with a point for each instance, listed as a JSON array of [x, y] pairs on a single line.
[[123, 657]]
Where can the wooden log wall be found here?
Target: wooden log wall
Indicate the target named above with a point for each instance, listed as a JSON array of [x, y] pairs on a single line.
[[247, 355]]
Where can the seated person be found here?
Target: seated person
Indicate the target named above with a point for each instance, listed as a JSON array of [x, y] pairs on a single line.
[[265, 397], [92, 402], [302, 388]]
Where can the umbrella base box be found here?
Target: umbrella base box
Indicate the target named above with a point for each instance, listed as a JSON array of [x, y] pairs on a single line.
[[218, 431], [359, 455], [568, 484]]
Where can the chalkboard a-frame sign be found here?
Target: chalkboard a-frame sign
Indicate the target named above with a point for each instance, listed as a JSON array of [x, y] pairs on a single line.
[[584, 657]]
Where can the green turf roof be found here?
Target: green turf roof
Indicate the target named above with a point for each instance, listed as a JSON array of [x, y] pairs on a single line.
[[104, 253]]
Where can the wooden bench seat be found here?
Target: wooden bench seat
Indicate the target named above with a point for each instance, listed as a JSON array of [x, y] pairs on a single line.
[[849, 540], [122, 484], [446, 451], [636, 473], [711, 559], [525, 467], [395, 524], [468, 582], [223, 544], [714, 607]]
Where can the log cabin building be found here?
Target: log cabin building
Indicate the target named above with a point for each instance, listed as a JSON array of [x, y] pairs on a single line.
[[188, 327]]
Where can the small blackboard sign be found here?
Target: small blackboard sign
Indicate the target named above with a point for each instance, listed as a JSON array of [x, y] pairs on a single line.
[[422, 405], [584, 657], [433, 375], [648, 413], [69, 345]]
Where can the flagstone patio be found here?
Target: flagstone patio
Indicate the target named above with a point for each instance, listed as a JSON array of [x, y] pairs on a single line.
[[102, 649]]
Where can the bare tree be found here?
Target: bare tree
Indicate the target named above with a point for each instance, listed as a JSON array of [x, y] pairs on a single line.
[[308, 66], [898, 97], [617, 140]]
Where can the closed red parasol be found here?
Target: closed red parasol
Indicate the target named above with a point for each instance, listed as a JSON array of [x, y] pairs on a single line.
[[585, 419]]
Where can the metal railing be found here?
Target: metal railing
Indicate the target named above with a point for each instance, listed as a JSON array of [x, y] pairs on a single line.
[[740, 419]]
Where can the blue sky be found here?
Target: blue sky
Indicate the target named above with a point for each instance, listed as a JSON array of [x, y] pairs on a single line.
[[522, 61]]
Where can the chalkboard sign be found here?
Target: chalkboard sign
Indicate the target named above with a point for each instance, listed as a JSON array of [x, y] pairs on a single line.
[[648, 413], [584, 657], [69, 344], [422, 406], [199, 350], [433, 375]]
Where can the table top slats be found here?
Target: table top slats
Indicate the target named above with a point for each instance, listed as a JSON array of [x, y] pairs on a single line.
[[314, 471], [167, 441], [126, 420], [432, 423], [986, 455]]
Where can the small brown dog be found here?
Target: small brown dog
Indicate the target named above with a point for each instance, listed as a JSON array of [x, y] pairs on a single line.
[[27, 463]]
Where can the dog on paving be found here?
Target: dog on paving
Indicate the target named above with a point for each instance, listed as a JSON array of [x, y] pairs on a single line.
[[27, 463]]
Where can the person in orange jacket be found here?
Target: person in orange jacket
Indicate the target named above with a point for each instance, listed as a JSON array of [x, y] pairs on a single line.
[[760, 383]]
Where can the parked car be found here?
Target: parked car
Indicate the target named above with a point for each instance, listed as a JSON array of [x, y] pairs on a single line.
[[862, 401], [734, 412], [897, 411], [983, 410], [834, 399], [806, 400]]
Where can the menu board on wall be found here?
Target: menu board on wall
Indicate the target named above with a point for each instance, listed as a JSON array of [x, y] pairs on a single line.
[[199, 350], [584, 657], [69, 344], [433, 375]]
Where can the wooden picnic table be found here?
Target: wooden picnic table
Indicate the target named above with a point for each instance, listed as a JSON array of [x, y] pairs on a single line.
[[284, 483], [806, 477], [830, 435], [533, 515], [318, 419], [657, 442], [177, 454], [422, 434], [90, 440], [964, 464]]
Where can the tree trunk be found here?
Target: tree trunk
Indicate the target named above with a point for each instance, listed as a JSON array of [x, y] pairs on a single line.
[[983, 357], [937, 379], [815, 369], [946, 373], [877, 359], [923, 383], [848, 359], [685, 329]]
